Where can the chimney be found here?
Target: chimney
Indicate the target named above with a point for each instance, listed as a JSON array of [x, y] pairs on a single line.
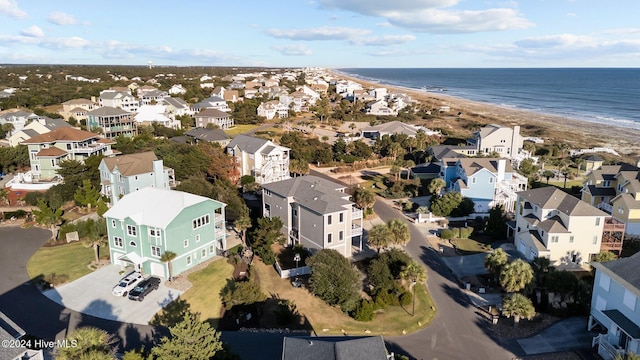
[[502, 164], [158, 174]]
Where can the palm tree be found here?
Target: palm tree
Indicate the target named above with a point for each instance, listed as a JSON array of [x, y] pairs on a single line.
[[547, 174], [242, 223], [379, 236], [518, 306], [495, 261], [436, 185], [395, 149], [96, 236], [399, 231], [408, 164], [48, 216], [516, 275], [414, 272], [168, 257], [395, 171], [88, 343], [352, 126], [364, 198]]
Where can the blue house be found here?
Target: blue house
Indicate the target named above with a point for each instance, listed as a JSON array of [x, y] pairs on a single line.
[[486, 181], [614, 307]]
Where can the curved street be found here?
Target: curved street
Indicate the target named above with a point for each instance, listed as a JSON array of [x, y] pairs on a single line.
[[457, 332]]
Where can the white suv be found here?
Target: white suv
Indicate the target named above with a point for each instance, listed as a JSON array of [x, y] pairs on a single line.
[[127, 283]]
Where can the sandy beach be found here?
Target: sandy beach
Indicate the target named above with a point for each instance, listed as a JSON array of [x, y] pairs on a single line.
[[554, 129]]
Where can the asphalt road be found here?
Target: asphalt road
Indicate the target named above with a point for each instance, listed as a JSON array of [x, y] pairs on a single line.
[[457, 332], [35, 313]]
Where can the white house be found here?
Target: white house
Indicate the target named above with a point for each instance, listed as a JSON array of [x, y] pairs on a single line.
[[118, 99], [159, 114], [260, 158], [272, 109]]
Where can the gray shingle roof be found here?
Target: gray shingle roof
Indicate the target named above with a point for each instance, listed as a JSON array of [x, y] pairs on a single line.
[[210, 135], [553, 198], [248, 144], [108, 111], [333, 348], [317, 194], [10, 331]]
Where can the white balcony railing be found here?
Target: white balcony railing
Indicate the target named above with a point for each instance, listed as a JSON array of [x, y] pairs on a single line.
[[218, 218], [356, 230], [605, 349], [605, 207], [356, 214]]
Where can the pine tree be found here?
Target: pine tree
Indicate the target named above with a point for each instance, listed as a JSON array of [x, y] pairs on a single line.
[[190, 339]]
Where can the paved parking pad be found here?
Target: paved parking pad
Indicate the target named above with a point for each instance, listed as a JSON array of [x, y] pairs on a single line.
[[468, 265], [565, 335], [92, 295]]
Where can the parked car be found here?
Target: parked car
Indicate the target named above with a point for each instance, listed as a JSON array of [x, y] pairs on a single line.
[[127, 283], [144, 287], [296, 282]]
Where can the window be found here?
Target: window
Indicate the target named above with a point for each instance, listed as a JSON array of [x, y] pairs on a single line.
[[135, 177], [113, 223], [341, 235], [571, 239], [595, 239], [117, 241], [267, 192], [329, 238], [329, 220], [133, 243], [473, 180], [629, 300], [197, 237], [605, 281], [341, 218], [154, 232], [491, 180], [554, 239], [294, 212], [203, 253], [188, 260], [597, 221], [201, 221], [131, 230], [211, 249], [155, 251], [186, 243]]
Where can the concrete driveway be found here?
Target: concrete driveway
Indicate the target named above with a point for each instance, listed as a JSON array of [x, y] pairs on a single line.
[[565, 335], [468, 265], [92, 295]]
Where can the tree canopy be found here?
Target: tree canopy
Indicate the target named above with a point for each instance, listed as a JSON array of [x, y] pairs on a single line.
[[516, 275], [333, 279], [190, 339]]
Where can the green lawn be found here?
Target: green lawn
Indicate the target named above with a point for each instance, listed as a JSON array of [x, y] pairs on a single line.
[[68, 262], [204, 295], [470, 246], [239, 129]]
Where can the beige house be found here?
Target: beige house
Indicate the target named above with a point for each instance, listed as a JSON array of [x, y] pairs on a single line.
[[553, 224], [36, 127], [615, 189], [221, 119], [316, 213], [78, 108], [260, 158]]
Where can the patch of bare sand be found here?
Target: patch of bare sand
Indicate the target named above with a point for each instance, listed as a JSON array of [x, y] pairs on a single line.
[[576, 133]]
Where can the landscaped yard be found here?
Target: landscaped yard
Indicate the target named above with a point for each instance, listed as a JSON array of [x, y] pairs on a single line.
[[239, 129], [327, 319], [69, 261], [470, 246], [204, 295]]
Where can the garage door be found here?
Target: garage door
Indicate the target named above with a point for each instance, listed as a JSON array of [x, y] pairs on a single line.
[[115, 256], [157, 269]]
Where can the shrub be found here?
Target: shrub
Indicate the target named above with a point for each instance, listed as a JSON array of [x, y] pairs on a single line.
[[385, 298], [17, 214], [446, 234], [456, 232], [406, 298], [364, 311], [408, 206], [466, 232]]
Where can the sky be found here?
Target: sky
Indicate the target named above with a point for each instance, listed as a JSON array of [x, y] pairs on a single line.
[[323, 33]]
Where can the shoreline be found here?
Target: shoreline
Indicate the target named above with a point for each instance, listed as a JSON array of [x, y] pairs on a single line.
[[577, 133]]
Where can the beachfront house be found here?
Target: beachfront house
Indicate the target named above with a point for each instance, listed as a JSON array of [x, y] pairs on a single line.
[[486, 181], [499, 139], [395, 127], [316, 213], [263, 159], [615, 189], [145, 224], [124, 174], [553, 224], [615, 310], [47, 150]]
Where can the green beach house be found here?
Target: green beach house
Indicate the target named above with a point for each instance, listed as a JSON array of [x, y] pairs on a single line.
[[145, 224]]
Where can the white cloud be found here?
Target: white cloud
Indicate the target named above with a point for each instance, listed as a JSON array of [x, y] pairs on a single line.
[[383, 40], [32, 31], [434, 16], [321, 33], [10, 8], [60, 18], [556, 41], [572, 14], [293, 50]]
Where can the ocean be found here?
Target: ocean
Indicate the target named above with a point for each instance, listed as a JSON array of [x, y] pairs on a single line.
[[602, 95]]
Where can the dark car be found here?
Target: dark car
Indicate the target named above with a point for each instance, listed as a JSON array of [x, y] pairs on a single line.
[[144, 287]]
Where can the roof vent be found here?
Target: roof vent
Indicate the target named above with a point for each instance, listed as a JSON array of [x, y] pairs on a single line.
[[315, 198]]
